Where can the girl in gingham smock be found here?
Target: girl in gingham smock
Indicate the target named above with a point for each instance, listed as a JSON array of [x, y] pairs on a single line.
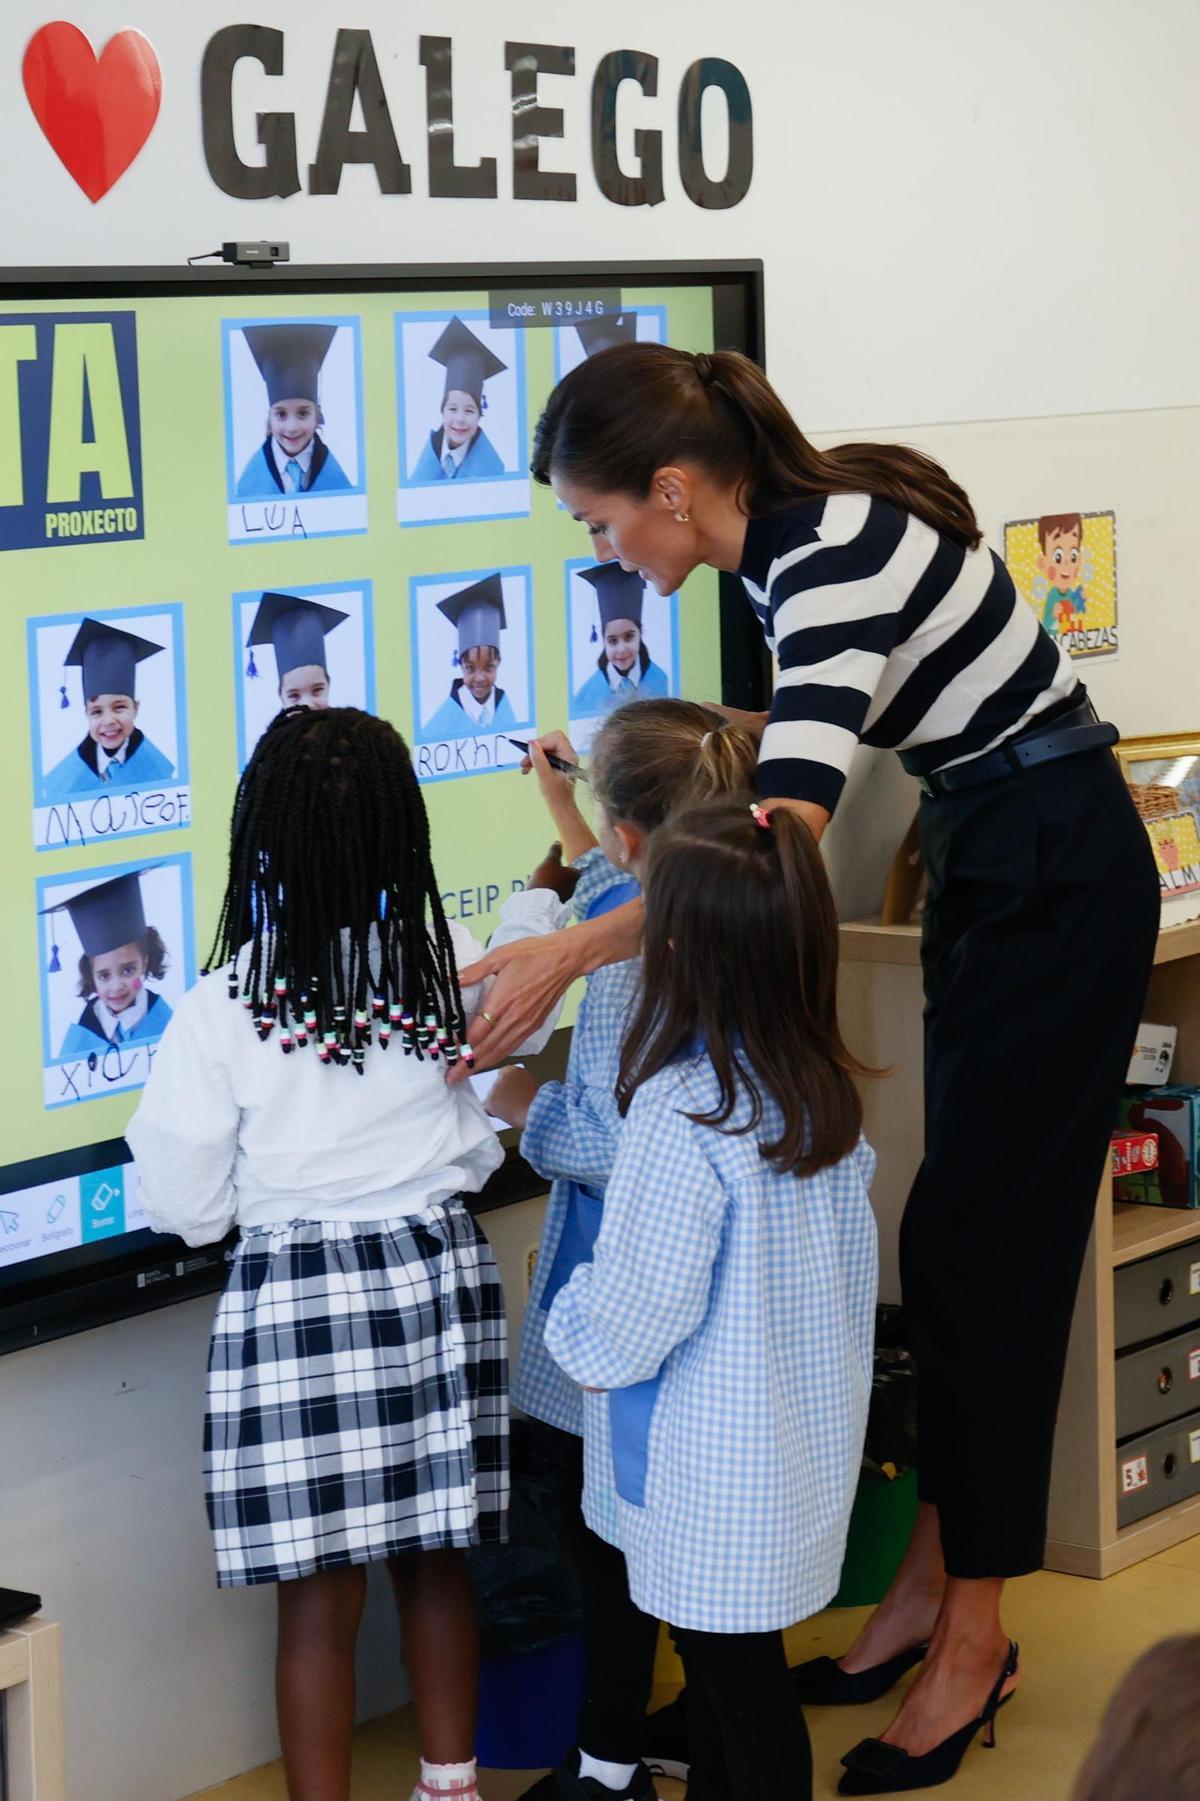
[[357, 1391], [647, 759], [729, 1308]]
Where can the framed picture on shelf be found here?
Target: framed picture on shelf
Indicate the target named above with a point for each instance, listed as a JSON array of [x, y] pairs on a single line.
[[1163, 775]]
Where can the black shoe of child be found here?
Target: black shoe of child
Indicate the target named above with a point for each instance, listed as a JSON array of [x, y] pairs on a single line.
[[667, 1750], [566, 1784]]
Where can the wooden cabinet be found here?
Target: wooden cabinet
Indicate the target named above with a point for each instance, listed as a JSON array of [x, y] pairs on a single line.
[[881, 1020]]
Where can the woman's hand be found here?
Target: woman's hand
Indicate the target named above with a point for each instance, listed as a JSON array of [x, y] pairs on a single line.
[[511, 1096], [530, 976]]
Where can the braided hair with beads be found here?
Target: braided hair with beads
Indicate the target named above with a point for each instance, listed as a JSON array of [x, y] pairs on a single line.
[[332, 926]]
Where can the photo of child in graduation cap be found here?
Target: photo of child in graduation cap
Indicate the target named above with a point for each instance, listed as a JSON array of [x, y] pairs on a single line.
[[295, 380], [114, 752], [625, 669], [290, 656], [476, 704], [574, 344], [458, 448], [463, 450], [120, 953]]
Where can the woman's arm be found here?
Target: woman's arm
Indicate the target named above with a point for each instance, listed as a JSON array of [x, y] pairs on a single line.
[[533, 976], [815, 818]]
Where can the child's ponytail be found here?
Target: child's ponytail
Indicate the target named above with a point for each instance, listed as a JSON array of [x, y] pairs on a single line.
[[651, 757], [740, 957]]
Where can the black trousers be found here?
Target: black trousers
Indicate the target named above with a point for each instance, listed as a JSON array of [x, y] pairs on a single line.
[[747, 1733], [620, 1641], [1038, 942]]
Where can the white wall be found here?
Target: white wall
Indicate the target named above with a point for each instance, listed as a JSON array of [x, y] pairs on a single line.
[[965, 212], [980, 235]]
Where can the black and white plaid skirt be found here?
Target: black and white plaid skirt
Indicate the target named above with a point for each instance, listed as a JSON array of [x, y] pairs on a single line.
[[357, 1396]]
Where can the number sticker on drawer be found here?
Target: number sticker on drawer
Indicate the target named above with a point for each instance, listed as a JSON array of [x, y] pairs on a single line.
[[1194, 1281], [1135, 1474], [1194, 1446], [1194, 1365]]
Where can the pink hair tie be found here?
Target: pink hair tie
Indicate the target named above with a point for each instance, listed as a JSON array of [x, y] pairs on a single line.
[[760, 815]]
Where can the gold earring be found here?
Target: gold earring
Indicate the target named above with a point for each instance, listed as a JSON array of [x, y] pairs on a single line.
[[683, 518]]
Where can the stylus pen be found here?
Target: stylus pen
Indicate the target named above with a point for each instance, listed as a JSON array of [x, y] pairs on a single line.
[[574, 770]]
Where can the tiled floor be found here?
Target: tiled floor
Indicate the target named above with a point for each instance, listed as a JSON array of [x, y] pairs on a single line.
[[1077, 1639]]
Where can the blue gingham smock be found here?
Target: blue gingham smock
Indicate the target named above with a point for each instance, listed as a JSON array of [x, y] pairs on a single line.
[[571, 1137], [730, 1310]]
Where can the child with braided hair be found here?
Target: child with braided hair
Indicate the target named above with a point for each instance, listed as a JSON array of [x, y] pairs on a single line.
[[357, 1396]]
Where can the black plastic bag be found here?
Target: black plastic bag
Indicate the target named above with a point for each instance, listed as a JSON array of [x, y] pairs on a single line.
[[528, 1592], [891, 1446]]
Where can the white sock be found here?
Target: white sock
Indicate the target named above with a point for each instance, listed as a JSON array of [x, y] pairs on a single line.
[[449, 1779], [616, 1776]]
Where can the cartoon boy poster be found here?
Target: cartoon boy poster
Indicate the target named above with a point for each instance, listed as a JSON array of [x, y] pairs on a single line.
[[1065, 566], [472, 670], [461, 408], [622, 644], [117, 954], [294, 428], [109, 727], [310, 646]]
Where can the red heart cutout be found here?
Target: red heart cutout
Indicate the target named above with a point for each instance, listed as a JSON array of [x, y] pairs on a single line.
[[97, 112]]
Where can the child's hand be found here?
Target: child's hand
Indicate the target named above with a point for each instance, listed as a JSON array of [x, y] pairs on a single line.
[[512, 1095], [553, 873], [558, 792]]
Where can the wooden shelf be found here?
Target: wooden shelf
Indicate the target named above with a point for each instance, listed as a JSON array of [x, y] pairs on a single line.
[[880, 1006], [1140, 1231], [870, 941]]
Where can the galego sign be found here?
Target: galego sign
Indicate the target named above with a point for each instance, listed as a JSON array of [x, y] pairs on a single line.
[[355, 77]]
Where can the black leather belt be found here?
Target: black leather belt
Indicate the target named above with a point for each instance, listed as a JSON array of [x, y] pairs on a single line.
[[1065, 736]]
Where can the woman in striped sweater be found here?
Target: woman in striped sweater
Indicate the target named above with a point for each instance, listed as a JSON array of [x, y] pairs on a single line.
[[893, 625]]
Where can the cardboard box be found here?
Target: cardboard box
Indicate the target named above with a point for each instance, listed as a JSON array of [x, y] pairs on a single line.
[[1133, 1152], [1173, 1116], [1153, 1055]]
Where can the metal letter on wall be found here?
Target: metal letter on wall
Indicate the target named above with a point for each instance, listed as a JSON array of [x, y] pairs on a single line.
[[449, 180], [531, 122], [355, 71], [646, 187], [277, 176], [713, 72]]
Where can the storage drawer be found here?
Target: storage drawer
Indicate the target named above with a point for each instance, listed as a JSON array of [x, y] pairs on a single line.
[[1160, 1294], [1158, 1469], [1158, 1384]]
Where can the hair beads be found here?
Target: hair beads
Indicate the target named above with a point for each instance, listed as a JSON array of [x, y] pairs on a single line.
[[332, 920]]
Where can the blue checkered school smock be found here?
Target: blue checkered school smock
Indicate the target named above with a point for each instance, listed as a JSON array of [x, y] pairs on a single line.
[[730, 1312], [571, 1137]]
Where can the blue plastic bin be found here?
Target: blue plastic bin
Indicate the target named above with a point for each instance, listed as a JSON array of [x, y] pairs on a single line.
[[529, 1706]]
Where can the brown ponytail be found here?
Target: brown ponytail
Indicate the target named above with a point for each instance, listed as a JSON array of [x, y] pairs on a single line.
[[636, 408], [740, 954], [653, 756]]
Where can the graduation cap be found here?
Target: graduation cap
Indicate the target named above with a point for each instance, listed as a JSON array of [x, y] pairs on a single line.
[[296, 628], [604, 334], [289, 358], [619, 593], [108, 658], [468, 362], [108, 915], [478, 612]]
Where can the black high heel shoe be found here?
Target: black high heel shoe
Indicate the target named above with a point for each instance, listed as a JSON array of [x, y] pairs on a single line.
[[874, 1768], [823, 1683]]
